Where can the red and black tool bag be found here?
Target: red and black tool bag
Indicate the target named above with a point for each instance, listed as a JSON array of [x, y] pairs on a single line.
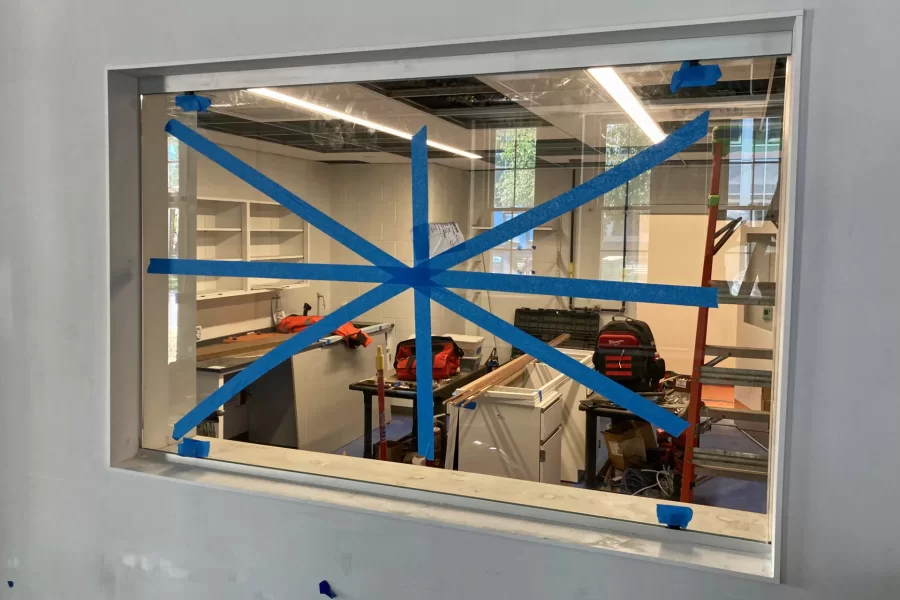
[[626, 353], [445, 355]]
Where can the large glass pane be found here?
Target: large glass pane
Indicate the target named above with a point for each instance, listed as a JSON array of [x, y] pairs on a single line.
[[500, 145]]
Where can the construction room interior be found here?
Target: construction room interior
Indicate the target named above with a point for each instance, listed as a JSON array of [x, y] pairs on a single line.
[[499, 145]]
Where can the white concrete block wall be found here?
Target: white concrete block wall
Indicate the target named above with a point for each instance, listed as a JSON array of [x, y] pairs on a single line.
[[376, 202], [309, 180]]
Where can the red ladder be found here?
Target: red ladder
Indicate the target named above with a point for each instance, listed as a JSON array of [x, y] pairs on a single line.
[[714, 242]]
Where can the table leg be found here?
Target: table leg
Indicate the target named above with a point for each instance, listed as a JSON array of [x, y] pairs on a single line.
[[439, 406], [367, 425], [590, 451], [415, 429]]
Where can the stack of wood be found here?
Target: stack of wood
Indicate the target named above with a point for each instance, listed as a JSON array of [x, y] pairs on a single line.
[[499, 376]]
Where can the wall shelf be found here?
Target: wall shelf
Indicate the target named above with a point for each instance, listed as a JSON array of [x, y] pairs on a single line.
[[278, 257], [485, 228], [234, 229]]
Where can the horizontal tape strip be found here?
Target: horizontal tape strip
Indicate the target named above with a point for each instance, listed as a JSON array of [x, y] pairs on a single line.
[[277, 270], [572, 199], [580, 288], [586, 376], [289, 200], [282, 352]]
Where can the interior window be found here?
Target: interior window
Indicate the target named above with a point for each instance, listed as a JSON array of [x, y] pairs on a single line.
[[241, 203]]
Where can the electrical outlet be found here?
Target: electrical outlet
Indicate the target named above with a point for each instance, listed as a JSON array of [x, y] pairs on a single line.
[[199, 333]]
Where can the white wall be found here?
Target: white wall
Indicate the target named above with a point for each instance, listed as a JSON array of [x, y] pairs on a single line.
[[308, 179], [71, 527], [374, 201]]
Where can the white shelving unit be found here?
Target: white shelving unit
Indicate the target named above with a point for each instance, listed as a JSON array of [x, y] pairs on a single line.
[[255, 230]]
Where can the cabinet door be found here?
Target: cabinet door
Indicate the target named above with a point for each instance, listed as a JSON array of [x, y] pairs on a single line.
[[550, 458]]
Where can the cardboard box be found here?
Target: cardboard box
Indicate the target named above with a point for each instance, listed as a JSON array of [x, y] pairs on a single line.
[[627, 443]]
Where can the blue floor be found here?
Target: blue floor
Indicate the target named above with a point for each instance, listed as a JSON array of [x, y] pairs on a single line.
[[401, 424], [731, 493]]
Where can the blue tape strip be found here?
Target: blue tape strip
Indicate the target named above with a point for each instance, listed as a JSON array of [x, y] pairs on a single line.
[[325, 589], [568, 201], [674, 517], [193, 448], [192, 103], [278, 270], [419, 153], [580, 288], [424, 391], [312, 215], [591, 379], [282, 352], [693, 74]]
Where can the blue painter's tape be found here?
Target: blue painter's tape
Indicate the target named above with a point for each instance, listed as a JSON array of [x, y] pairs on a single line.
[[580, 288], [325, 589], [192, 103], [282, 352], [314, 216], [419, 153], [572, 199], [591, 379], [424, 390], [674, 517], [193, 448], [275, 270], [693, 74], [471, 405]]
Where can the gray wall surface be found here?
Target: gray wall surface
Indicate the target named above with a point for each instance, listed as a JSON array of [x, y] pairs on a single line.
[[72, 528]]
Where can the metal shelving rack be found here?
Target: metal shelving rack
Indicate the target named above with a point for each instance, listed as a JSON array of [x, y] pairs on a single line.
[[707, 461]]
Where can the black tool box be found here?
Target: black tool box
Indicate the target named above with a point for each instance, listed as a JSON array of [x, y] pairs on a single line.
[[582, 324]]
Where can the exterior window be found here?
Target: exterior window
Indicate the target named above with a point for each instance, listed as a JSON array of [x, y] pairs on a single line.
[[623, 252], [514, 193]]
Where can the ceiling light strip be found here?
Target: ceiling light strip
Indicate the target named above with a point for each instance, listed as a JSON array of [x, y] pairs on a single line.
[[322, 110], [624, 97]]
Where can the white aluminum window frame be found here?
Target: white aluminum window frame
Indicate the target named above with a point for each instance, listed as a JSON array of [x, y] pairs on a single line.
[[770, 34]]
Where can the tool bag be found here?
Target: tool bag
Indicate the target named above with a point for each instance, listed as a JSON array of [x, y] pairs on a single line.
[[445, 355], [626, 353], [353, 336]]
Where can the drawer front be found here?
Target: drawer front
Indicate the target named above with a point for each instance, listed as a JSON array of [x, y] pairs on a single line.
[[551, 452], [551, 420]]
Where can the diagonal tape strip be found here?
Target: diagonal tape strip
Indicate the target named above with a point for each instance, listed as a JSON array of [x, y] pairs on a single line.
[[568, 201], [681, 295], [591, 379], [277, 270], [314, 216], [282, 352]]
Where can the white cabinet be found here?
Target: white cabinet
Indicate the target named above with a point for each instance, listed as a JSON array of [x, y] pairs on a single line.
[[512, 432], [530, 428], [233, 229]]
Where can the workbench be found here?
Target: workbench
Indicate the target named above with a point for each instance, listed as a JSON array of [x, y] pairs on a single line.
[[393, 388], [298, 404], [596, 406]]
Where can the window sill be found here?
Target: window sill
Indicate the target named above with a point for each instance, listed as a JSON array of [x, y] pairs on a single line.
[[719, 539]]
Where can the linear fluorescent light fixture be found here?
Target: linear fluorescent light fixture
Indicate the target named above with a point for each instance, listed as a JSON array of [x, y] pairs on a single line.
[[322, 110], [624, 97]]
